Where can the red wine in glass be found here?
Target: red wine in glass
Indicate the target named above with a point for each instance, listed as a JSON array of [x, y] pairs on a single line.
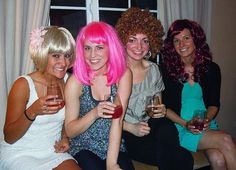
[[198, 123], [198, 119], [118, 109], [118, 112]]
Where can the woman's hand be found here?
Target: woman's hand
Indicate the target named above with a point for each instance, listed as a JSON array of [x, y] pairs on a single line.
[[160, 111], [105, 110], [206, 124], [45, 105], [62, 145], [140, 129], [189, 126]]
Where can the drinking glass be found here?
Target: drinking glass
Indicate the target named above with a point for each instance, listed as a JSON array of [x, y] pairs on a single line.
[[116, 100], [198, 119], [151, 106], [56, 89]]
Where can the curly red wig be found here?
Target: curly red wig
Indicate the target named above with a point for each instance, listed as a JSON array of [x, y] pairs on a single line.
[[137, 21]]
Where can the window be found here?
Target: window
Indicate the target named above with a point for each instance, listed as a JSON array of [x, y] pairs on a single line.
[[74, 14], [70, 14]]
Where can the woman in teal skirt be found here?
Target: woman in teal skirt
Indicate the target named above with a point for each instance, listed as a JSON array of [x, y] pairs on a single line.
[[192, 82]]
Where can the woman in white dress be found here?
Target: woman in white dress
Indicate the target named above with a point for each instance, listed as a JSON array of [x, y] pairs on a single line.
[[34, 136]]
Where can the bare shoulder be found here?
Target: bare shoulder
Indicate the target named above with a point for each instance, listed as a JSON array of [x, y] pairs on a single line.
[[127, 74], [73, 81], [20, 85], [21, 81], [19, 91], [73, 86], [126, 80]]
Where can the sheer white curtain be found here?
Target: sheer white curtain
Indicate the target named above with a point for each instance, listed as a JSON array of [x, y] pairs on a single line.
[[197, 10], [17, 19]]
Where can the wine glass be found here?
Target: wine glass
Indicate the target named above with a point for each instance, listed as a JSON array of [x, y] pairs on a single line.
[[198, 119], [56, 89], [116, 100], [153, 106]]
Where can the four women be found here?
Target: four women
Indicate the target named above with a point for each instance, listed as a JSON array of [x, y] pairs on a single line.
[[34, 121]]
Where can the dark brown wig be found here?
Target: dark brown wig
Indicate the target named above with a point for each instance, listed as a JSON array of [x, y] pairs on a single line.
[[171, 59]]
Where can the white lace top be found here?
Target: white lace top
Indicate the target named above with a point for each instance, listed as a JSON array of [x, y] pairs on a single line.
[[35, 150]]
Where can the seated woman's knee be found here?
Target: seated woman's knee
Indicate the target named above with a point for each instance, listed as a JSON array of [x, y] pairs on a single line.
[[226, 142], [217, 159]]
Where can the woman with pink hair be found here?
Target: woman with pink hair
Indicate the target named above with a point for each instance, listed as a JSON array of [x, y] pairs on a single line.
[[100, 69]]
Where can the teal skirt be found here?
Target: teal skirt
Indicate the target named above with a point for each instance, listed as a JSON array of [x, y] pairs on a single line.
[[189, 140]]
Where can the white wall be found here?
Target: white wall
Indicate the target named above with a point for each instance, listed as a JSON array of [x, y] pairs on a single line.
[[223, 46]]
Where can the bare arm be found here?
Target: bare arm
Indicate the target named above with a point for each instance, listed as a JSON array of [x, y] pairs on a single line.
[[128, 126], [124, 90], [73, 124], [16, 123], [175, 118], [63, 144], [211, 112], [18, 118]]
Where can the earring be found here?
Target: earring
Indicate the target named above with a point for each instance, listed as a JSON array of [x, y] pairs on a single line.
[[148, 55]]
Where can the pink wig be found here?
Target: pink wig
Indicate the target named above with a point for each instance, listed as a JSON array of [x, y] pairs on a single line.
[[100, 32]]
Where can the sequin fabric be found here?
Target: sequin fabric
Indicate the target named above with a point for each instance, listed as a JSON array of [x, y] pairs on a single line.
[[95, 138]]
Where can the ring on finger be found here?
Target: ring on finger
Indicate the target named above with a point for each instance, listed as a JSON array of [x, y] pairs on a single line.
[[45, 108]]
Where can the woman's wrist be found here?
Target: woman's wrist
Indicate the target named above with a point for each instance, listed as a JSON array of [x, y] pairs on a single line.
[[208, 118], [29, 116], [65, 138], [128, 126], [186, 124]]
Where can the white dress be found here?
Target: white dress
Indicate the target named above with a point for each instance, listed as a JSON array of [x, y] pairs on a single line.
[[35, 150]]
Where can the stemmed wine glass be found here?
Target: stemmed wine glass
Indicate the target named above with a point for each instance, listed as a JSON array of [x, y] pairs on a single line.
[[56, 89], [153, 106]]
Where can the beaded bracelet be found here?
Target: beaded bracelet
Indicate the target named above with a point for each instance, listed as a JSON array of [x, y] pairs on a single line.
[[28, 117]]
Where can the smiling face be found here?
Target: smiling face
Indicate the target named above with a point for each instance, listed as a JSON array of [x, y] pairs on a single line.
[[184, 45], [57, 64], [96, 56], [137, 46]]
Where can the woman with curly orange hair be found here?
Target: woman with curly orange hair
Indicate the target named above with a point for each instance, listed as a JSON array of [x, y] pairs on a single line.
[[152, 140]]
